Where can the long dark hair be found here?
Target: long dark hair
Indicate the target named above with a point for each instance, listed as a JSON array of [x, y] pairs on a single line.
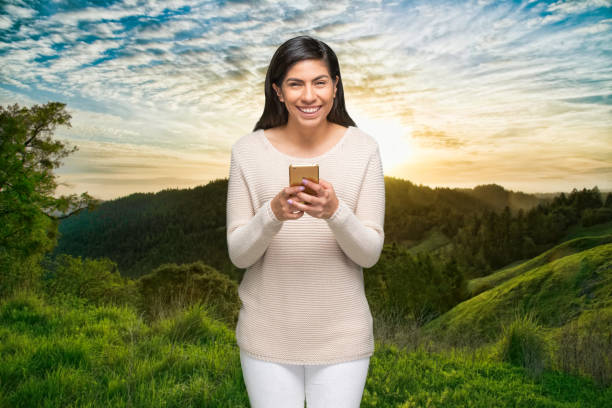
[[291, 51]]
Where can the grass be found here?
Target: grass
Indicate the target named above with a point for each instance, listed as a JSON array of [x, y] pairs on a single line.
[[74, 355], [557, 292], [58, 356], [456, 379]]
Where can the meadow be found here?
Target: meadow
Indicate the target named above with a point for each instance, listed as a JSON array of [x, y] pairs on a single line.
[[70, 354]]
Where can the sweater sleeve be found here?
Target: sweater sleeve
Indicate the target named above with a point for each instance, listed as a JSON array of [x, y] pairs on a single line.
[[249, 232], [360, 234]]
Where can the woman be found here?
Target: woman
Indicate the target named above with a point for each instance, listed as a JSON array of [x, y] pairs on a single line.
[[305, 327]]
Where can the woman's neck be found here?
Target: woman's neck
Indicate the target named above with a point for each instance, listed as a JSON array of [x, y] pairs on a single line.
[[307, 137]]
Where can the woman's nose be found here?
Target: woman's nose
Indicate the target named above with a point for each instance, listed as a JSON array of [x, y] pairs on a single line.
[[308, 93]]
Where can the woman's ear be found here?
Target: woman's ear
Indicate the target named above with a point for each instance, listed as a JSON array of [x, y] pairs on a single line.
[[336, 85], [278, 92]]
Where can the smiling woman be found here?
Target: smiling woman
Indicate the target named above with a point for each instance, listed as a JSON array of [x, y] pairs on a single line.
[[305, 328], [306, 97], [301, 63]]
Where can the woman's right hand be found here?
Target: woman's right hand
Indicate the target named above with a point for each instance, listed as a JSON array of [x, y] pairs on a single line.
[[281, 208]]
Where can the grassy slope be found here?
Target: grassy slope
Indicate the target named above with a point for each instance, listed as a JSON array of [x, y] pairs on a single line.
[[558, 291], [73, 356], [573, 246]]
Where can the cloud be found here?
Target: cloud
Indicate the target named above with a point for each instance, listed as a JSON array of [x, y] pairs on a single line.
[[72, 18], [577, 6], [19, 12], [109, 169], [432, 137], [5, 22], [596, 99], [167, 29]]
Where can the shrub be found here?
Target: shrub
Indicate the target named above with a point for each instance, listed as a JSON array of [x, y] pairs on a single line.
[[172, 287], [193, 325], [96, 280], [523, 344], [18, 273], [24, 307]]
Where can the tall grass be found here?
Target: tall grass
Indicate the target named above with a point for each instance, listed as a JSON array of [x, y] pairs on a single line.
[[392, 327], [523, 343], [584, 347], [104, 355]]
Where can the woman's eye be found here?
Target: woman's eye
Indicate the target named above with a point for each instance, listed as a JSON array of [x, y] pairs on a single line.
[[318, 83]]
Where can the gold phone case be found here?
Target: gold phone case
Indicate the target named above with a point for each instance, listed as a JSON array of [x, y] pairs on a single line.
[[307, 171]]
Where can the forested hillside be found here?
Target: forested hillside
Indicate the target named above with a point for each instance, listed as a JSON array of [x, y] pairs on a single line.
[[142, 231]]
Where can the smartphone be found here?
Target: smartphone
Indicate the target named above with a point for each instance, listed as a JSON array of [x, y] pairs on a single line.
[[300, 171]]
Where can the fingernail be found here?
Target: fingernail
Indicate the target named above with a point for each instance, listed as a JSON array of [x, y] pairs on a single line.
[[290, 201], [304, 181], [302, 188]]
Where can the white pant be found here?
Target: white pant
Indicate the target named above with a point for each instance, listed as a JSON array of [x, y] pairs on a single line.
[[272, 385]]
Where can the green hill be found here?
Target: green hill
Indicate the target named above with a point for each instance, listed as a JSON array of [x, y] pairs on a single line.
[[558, 287], [573, 246]]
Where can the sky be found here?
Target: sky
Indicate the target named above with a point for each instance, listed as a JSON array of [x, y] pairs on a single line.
[[456, 93]]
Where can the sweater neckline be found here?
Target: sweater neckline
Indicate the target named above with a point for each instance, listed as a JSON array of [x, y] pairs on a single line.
[[319, 157]]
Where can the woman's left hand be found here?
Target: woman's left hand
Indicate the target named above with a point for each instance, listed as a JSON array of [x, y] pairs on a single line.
[[323, 205]]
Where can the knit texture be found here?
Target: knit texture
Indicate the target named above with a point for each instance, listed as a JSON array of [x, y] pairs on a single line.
[[302, 294]]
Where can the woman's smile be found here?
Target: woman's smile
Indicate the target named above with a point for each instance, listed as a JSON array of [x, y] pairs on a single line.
[[309, 111]]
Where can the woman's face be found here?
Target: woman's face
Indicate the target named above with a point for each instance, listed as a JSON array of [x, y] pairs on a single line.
[[308, 92]]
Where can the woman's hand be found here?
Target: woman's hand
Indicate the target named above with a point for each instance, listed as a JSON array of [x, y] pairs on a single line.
[[281, 208], [323, 205]]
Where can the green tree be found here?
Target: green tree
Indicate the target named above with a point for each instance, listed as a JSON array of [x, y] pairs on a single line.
[[608, 203], [29, 212]]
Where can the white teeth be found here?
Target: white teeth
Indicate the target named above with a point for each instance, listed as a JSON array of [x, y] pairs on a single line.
[[311, 110]]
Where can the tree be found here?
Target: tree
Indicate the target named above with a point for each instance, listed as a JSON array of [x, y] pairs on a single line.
[[29, 213], [608, 203]]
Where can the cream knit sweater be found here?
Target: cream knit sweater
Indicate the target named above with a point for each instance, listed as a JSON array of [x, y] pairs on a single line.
[[303, 299]]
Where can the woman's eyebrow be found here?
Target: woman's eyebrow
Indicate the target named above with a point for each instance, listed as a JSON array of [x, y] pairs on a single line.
[[299, 80]]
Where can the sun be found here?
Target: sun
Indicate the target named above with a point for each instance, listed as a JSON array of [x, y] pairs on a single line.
[[394, 139]]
